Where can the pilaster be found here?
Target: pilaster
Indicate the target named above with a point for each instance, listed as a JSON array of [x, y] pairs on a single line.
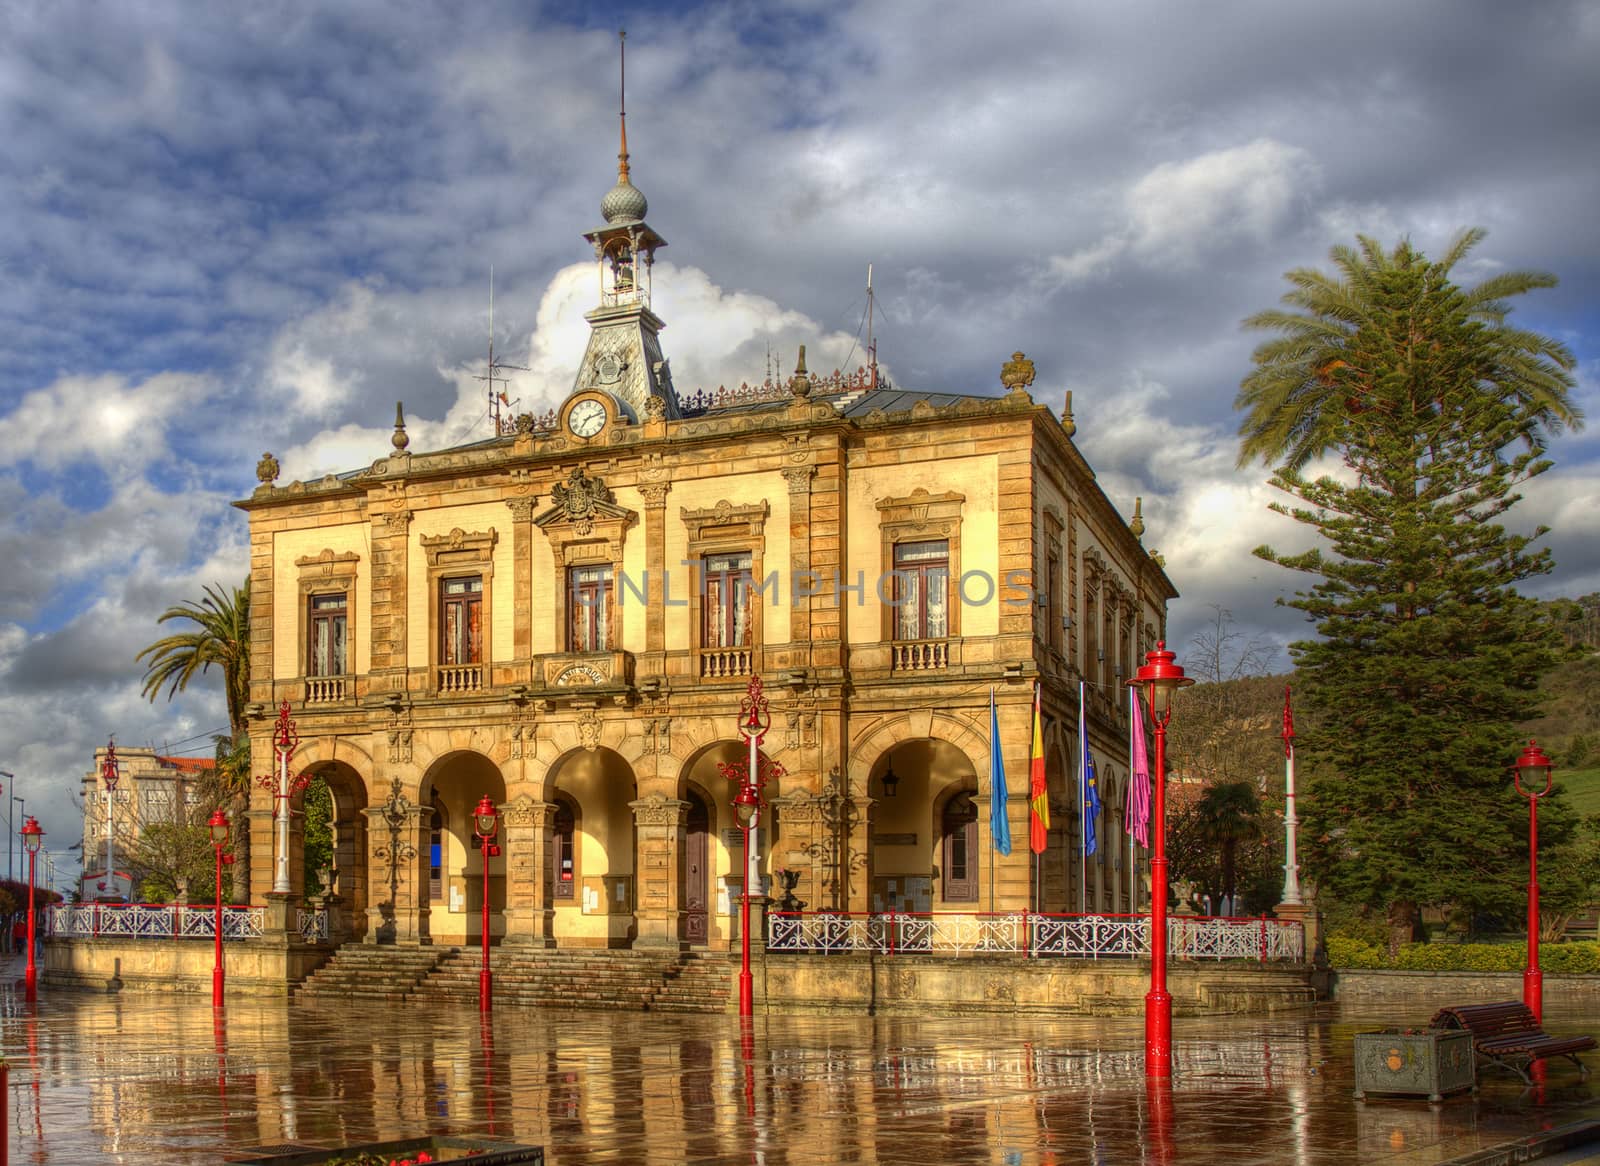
[[397, 831], [530, 855], [659, 829]]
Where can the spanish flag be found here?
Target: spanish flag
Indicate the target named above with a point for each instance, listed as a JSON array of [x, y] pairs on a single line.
[[1038, 792]]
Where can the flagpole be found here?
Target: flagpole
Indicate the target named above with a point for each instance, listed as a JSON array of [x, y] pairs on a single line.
[[1291, 865], [1083, 807]]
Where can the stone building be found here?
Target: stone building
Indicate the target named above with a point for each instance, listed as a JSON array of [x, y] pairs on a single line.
[[565, 617], [151, 789]]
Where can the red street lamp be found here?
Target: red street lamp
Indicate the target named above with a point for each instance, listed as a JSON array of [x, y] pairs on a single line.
[[218, 825], [486, 824], [754, 721], [1532, 768], [1159, 676], [32, 837]]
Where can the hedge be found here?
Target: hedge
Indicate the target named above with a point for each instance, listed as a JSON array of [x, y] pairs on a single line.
[[1561, 958]]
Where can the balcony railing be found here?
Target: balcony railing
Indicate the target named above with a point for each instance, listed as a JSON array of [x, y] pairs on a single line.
[[719, 662], [455, 679], [920, 655], [1068, 936], [325, 689]]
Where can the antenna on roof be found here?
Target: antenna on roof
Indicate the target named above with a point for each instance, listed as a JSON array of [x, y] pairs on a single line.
[[502, 425], [872, 344]]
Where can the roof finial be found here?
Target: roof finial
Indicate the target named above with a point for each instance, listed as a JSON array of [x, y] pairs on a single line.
[[622, 55], [399, 440], [1136, 527]]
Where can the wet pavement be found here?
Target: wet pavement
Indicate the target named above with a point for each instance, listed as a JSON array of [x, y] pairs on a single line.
[[151, 1078]]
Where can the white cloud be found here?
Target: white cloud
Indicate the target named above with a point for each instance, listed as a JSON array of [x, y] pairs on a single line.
[[104, 419]]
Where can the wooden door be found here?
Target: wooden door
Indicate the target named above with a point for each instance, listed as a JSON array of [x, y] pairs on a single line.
[[696, 881]]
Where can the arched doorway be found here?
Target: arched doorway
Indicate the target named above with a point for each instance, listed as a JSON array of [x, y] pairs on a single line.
[[922, 790], [346, 857], [590, 872], [696, 870], [453, 906]]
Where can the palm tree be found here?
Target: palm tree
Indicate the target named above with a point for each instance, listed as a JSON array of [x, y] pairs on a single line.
[[1321, 373], [1227, 816], [222, 638]]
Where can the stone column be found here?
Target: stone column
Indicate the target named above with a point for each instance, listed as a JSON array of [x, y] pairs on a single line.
[[659, 827], [397, 910], [655, 560], [529, 841], [390, 531], [258, 874], [522, 507]]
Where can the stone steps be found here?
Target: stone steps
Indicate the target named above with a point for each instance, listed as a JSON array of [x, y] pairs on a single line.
[[614, 980], [373, 971], [577, 979]]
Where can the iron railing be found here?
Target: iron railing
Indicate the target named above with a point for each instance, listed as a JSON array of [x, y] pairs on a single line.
[[153, 921], [1024, 933]]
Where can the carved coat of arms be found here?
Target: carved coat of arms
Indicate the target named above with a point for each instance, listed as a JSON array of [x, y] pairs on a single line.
[[579, 497]]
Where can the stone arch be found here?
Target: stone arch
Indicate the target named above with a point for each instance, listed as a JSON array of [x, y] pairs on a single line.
[[601, 785], [454, 780], [348, 790], [882, 736]]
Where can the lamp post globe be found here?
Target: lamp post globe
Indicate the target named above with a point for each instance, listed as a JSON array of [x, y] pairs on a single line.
[[486, 824], [1158, 678], [1531, 777]]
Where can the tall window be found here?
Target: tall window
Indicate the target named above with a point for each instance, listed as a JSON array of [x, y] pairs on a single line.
[[727, 601], [462, 625], [327, 619], [436, 857], [960, 837], [1052, 590], [588, 591], [566, 869], [922, 587]]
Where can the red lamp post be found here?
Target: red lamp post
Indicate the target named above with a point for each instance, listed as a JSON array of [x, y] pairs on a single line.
[[218, 826], [1530, 768], [32, 837], [754, 721], [486, 823], [1159, 676]]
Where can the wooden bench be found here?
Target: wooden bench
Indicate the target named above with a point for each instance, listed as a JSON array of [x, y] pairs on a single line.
[[1507, 1034]]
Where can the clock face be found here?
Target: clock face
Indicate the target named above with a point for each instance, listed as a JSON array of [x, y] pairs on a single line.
[[587, 418]]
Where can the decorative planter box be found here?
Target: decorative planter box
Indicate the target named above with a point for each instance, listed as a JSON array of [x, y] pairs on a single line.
[[444, 1148], [1427, 1062]]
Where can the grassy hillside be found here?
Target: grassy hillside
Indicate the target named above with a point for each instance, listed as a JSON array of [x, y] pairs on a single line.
[[1583, 790]]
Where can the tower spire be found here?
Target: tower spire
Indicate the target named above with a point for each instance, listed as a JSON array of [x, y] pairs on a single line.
[[622, 69]]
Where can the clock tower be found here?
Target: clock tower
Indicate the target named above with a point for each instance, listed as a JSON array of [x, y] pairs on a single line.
[[624, 358]]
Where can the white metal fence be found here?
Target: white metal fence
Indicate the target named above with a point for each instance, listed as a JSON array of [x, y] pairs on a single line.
[[1022, 933], [155, 921]]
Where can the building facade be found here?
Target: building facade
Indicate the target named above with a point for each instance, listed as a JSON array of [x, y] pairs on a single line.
[[564, 618], [151, 789]]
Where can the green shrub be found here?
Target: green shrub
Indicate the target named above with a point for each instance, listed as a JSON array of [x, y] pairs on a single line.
[[1344, 952], [1570, 959]]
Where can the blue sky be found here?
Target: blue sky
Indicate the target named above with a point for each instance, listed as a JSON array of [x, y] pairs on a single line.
[[230, 229]]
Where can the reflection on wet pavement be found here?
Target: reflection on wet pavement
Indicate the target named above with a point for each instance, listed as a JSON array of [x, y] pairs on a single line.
[[129, 1078]]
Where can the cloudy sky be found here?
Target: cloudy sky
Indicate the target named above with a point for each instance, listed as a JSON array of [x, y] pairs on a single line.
[[232, 228]]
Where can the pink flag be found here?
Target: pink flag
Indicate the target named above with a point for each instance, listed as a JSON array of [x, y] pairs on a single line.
[[1138, 809]]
